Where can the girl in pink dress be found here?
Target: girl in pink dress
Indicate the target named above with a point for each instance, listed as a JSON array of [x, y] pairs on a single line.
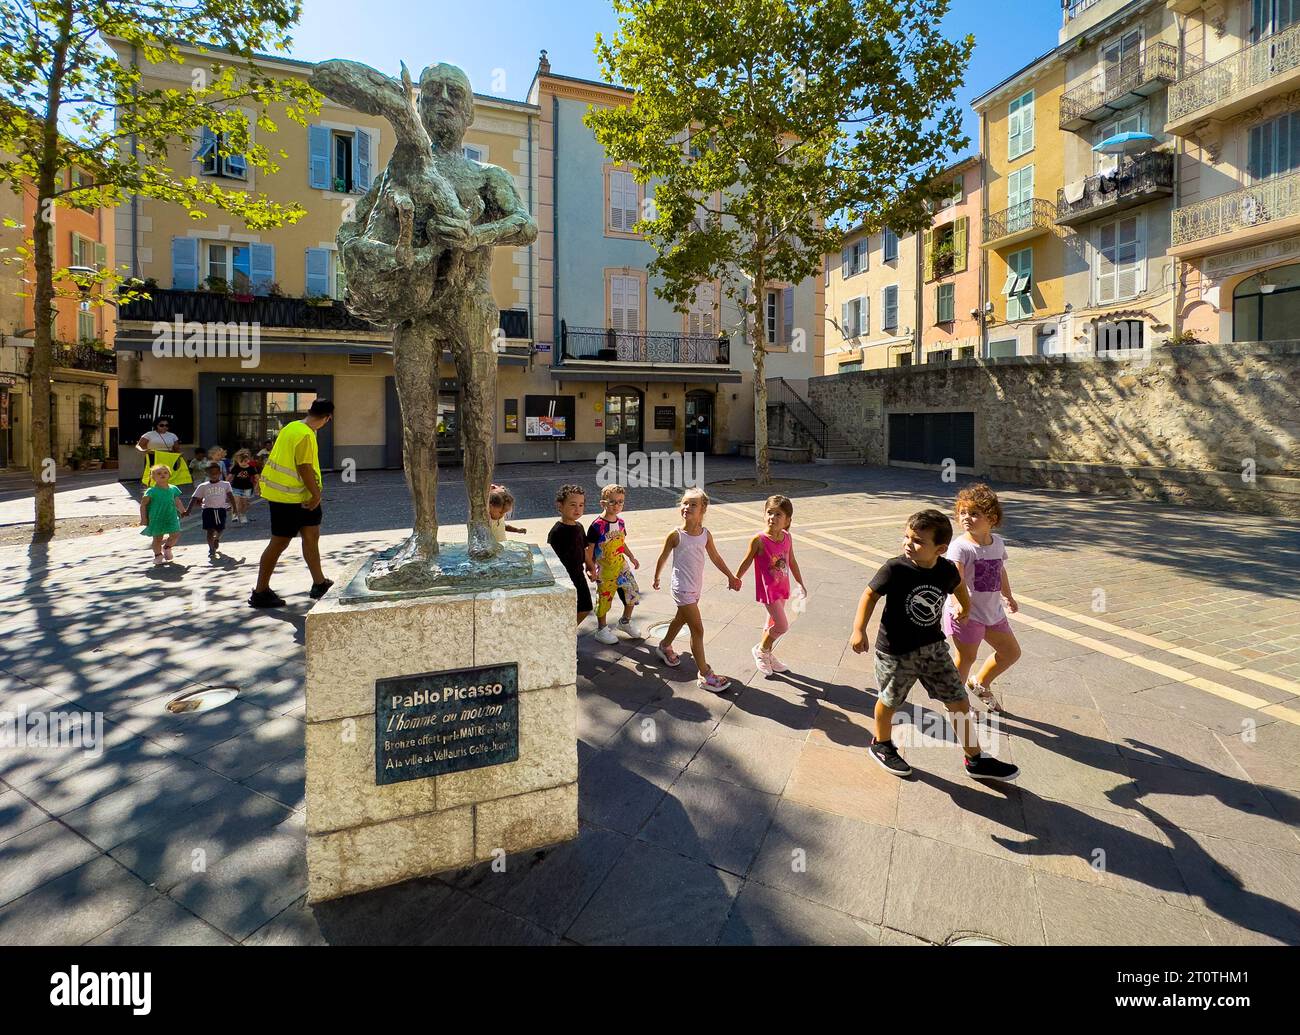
[[772, 554]]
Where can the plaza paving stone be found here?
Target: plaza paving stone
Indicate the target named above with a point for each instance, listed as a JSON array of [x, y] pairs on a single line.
[[1155, 716]]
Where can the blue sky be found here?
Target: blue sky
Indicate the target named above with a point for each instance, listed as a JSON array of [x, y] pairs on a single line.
[[497, 41]]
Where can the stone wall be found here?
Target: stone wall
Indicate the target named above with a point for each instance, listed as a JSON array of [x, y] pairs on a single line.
[[1215, 426]]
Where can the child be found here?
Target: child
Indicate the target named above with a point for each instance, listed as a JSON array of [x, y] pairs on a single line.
[[217, 455], [772, 554], [199, 465], [910, 644], [160, 513], [569, 542], [214, 496], [501, 502], [981, 559], [243, 483], [606, 549], [689, 545]]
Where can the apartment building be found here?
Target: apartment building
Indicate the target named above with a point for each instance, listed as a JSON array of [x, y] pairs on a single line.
[[287, 283], [624, 366], [1119, 280], [950, 313], [871, 295], [83, 396], [1236, 113], [1024, 249]]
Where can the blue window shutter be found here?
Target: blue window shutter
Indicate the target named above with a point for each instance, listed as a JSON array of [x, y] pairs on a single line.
[[262, 264], [207, 141], [846, 263], [318, 271], [185, 263], [361, 160], [787, 314], [237, 165], [318, 138]]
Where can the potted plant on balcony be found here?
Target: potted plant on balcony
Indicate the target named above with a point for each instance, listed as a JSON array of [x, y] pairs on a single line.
[[945, 257], [216, 286], [320, 300]]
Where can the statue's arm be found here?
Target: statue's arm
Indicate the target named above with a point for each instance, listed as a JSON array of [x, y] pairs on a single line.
[[516, 226]]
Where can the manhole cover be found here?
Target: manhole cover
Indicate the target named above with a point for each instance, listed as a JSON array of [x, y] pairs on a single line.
[[971, 939], [201, 700], [656, 632]]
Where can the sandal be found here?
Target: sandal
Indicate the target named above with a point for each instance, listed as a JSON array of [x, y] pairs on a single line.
[[984, 694], [158, 558], [668, 656]]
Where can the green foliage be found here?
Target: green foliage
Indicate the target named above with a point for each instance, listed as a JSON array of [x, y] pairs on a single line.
[[795, 110]]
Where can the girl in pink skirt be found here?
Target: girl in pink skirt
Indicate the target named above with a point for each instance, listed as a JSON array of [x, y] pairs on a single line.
[[772, 554]]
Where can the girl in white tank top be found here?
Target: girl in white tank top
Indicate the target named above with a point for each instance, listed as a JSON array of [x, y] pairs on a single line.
[[689, 546]]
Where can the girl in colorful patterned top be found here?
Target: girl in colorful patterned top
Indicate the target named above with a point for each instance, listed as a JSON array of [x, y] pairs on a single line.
[[772, 554], [609, 554]]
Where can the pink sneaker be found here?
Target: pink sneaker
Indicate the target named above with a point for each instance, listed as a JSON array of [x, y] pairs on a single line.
[[763, 660], [777, 666]]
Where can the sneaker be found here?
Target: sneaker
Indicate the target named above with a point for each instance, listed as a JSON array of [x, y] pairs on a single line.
[[713, 682], [605, 635], [985, 768], [777, 666], [320, 589], [628, 629], [668, 656], [884, 752], [984, 694], [762, 659], [265, 598], [212, 553]]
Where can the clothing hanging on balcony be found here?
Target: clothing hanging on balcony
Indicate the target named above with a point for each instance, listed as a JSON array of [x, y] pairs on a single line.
[[1074, 191]]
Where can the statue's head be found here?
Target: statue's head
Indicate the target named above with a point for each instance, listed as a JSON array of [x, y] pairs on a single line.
[[446, 104]]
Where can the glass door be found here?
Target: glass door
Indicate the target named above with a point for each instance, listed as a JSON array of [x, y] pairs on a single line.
[[623, 419], [699, 421]]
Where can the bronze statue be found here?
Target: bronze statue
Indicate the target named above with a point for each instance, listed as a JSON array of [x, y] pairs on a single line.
[[417, 255]]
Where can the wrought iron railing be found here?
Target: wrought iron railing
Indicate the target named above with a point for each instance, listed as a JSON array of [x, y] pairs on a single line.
[[615, 346], [1077, 7], [781, 393], [81, 357], [1034, 214], [1154, 62], [1238, 210], [1250, 67], [1134, 177]]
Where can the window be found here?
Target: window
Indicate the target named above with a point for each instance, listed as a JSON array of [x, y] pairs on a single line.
[[889, 308], [1020, 199], [945, 248], [1119, 260], [86, 324], [474, 154], [945, 303], [1121, 58], [844, 368], [231, 166], [1274, 147], [827, 264], [940, 357], [1134, 122], [890, 245], [625, 303], [778, 316], [86, 252], [1114, 336], [1020, 126], [957, 195], [325, 277], [1270, 16], [854, 258], [231, 266], [240, 268], [855, 319], [702, 319], [904, 359], [339, 159], [968, 352], [1019, 284], [1002, 349], [623, 195]]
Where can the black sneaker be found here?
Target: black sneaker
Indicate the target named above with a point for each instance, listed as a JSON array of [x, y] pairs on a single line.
[[884, 752], [320, 589], [985, 768], [265, 598]]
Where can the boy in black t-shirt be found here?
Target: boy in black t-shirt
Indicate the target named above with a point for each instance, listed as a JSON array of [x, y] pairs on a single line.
[[569, 542], [911, 645]]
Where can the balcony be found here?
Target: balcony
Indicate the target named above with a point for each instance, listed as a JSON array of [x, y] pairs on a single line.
[[1120, 86], [611, 346], [1136, 181], [1020, 222], [268, 311], [1243, 80], [1254, 215], [80, 356]]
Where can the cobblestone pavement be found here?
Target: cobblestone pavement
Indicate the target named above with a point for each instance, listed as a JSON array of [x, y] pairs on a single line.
[[1155, 716]]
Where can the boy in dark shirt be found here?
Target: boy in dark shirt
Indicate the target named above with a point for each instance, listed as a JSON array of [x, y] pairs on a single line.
[[911, 645], [569, 542]]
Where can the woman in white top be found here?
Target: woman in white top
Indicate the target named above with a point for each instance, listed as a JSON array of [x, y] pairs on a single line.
[[160, 438]]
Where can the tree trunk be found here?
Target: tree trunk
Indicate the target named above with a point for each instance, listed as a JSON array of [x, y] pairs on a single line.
[[758, 343]]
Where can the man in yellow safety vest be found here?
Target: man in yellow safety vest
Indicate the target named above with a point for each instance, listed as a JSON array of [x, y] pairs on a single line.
[[290, 482]]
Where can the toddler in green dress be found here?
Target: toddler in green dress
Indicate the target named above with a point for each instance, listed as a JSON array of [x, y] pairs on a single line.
[[160, 513]]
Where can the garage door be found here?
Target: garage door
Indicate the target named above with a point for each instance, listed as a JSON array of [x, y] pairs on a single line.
[[932, 438]]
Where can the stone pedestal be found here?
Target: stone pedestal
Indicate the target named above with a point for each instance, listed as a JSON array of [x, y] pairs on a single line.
[[361, 835]]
